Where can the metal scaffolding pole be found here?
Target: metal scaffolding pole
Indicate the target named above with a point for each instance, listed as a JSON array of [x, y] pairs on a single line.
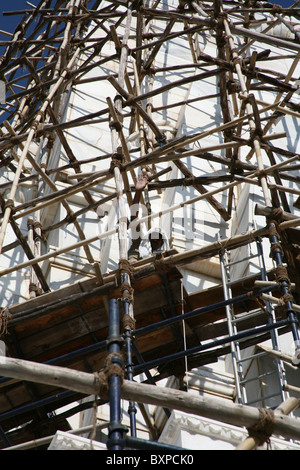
[[114, 364], [219, 342]]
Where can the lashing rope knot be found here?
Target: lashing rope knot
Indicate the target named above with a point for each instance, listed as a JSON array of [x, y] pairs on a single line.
[[127, 292], [113, 365], [126, 268], [281, 274], [128, 322], [263, 429], [5, 315]]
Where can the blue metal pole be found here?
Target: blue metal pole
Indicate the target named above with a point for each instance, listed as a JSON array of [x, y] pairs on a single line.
[[203, 347], [285, 289], [202, 310], [116, 430], [129, 368], [155, 326]]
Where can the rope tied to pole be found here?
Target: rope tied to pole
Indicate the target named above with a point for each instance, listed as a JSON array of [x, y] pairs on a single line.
[[5, 315], [9, 204], [286, 298], [161, 266], [70, 218], [274, 233], [116, 161], [189, 180], [276, 9], [263, 429], [276, 246], [34, 288], [276, 216], [281, 274], [128, 322], [113, 365], [126, 268], [127, 292]]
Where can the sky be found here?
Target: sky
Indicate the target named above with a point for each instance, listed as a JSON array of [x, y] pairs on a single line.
[[9, 23]]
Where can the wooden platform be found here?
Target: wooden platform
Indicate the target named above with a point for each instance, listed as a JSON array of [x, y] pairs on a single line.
[[69, 327]]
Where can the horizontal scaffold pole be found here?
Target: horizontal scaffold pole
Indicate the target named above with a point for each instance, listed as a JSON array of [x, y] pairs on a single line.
[[181, 258], [208, 308], [254, 332], [90, 384]]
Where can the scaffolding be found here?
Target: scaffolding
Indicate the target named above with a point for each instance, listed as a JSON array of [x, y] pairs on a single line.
[[115, 118]]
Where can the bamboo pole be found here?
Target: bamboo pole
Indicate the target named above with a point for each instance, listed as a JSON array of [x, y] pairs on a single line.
[[278, 301], [165, 153], [285, 408], [52, 185], [264, 38], [279, 355], [153, 156], [177, 144], [90, 384], [31, 135], [250, 110], [41, 441], [62, 194], [133, 102], [289, 224], [59, 251], [212, 192], [291, 389], [117, 133], [280, 107], [181, 258], [267, 212]]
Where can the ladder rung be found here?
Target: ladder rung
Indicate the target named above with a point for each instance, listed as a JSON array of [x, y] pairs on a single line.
[[228, 283], [244, 316], [263, 398], [232, 263], [258, 377], [254, 356]]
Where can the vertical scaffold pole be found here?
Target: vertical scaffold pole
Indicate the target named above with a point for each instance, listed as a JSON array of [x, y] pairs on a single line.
[[274, 237], [116, 430], [129, 363], [284, 283], [124, 265]]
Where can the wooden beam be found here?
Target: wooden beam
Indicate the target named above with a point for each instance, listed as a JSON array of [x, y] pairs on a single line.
[[90, 384], [285, 408]]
